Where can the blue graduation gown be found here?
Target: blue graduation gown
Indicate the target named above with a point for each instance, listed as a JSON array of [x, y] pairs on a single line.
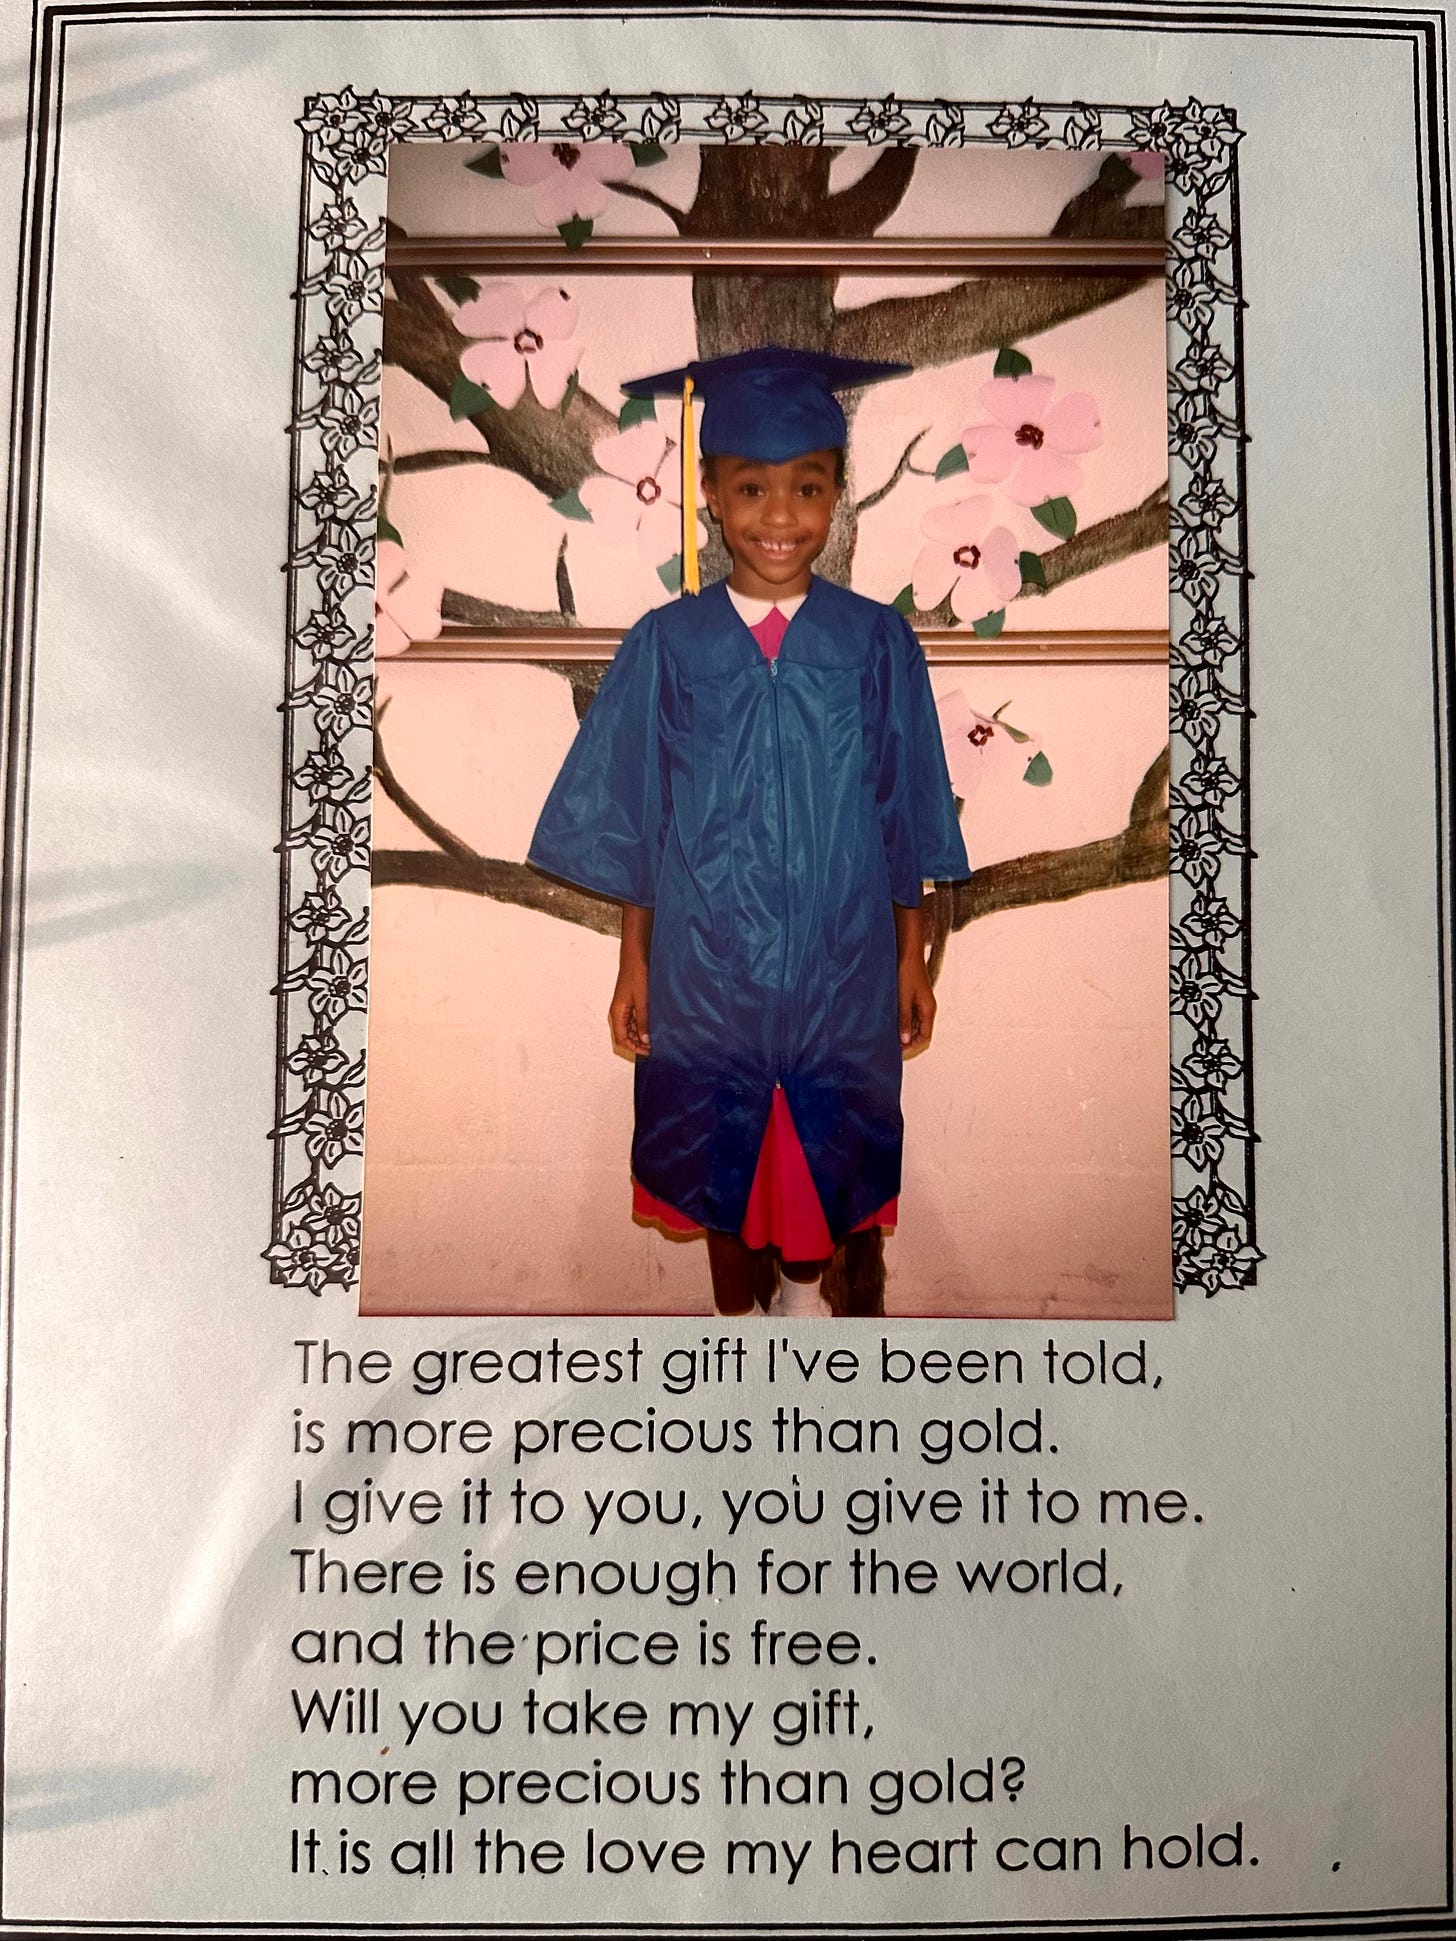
[[769, 812]]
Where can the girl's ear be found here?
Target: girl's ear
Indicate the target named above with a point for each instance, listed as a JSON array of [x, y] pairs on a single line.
[[710, 493]]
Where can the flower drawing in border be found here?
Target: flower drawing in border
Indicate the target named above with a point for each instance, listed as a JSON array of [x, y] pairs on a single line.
[[336, 982], [879, 121], [567, 180], [320, 914], [340, 704], [1213, 1063], [333, 1216], [455, 118], [946, 125], [738, 118], [332, 497], [315, 1058], [325, 776], [515, 339], [1198, 1133], [406, 601], [662, 119], [305, 1261], [804, 122], [329, 115], [337, 841], [596, 119], [338, 225], [1083, 127], [968, 559], [1019, 124], [637, 498], [334, 1129], [1197, 995], [1030, 448]]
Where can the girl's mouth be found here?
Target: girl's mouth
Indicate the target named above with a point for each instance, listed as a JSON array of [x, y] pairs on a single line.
[[778, 548]]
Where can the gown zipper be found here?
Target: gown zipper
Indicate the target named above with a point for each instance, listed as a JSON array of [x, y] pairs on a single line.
[[773, 668]]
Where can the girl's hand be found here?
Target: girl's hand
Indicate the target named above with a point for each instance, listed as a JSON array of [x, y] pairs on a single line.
[[628, 1012], [917, 1000], [917, 1007]]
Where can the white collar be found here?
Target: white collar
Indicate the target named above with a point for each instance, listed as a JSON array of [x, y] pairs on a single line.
[[751, 611]]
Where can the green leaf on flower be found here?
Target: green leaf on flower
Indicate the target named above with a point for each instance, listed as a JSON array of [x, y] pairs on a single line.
[[1057, 515], [575, 232], [647, 154], [954, 461], [670, 573], [1033, 573], [1038, 771], [634, 411], [488, 164], [1007, 729], [573, 385], [990, 624], [904, 600], [459, 289], [383, 530], [569, 505], [467, 398], [1011, 363]]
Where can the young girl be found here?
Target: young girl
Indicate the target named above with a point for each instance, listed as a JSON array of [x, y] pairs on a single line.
[[760, 782]]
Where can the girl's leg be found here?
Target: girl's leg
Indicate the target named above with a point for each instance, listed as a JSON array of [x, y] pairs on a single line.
[[741, 1274]]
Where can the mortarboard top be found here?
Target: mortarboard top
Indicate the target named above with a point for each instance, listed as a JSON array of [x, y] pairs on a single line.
[[768, 403]]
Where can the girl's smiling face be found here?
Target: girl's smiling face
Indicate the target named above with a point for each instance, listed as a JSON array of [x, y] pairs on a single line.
[[775, 518]]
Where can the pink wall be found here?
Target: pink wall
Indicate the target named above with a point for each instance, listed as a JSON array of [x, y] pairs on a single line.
[[499, 1118]]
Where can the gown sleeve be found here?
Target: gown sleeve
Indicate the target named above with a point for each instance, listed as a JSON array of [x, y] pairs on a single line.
[[604, 823], [917, 809]]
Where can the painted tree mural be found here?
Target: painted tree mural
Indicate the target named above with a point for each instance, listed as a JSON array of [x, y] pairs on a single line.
[[501, 360]]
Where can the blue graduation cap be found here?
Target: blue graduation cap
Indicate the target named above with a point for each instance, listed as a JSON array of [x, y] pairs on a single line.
[[769, 403]]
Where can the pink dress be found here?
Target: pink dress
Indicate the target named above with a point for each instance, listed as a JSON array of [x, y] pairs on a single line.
[[783, 1206]]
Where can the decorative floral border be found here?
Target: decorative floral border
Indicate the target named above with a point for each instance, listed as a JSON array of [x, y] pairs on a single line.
[[323, 953]]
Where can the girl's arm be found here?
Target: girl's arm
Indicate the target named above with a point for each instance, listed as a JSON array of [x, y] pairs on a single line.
[[628, 1012], [917, 999]]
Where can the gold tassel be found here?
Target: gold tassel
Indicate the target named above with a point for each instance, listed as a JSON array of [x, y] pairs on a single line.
[[690, 581]]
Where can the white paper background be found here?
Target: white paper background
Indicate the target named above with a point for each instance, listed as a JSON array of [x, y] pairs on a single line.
[[1285, 1661]]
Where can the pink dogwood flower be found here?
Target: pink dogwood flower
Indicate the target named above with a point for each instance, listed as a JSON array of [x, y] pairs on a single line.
[[406, 602], [1027, 449], [639, 500], [976, 563], [516, 338], [981, 749], [569, 178]]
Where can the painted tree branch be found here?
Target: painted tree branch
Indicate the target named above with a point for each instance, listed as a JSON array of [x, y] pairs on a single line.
[[1099, 209], [884, 491], [971, 318], [465, 610], [638, 193], [864, 205], [438, 461], [454, 865], [1139, 854], [1110, 539]]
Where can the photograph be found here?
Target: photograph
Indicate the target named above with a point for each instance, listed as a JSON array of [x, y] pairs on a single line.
[[769, 904]]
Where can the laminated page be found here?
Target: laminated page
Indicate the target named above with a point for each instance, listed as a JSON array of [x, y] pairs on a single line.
[[726, 995]]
